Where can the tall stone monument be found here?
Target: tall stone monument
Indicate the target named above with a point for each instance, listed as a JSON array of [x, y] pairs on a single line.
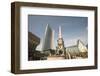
[[60, 49]]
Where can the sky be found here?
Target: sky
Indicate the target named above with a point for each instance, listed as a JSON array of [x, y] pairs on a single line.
[[73, 28]]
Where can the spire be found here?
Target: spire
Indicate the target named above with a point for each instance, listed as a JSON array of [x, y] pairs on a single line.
[[60, 35], [47, 24]]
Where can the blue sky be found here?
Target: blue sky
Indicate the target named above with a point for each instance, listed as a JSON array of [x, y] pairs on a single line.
[[73, 28]]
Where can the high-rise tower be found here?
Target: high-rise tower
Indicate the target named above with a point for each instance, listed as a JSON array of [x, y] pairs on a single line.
[[59, 35], [60, 49], [48, 38]]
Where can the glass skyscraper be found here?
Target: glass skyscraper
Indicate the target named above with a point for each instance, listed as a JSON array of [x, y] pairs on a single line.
[[48, 38]]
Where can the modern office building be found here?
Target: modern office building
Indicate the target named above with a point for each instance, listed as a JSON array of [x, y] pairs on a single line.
[[33, 41], [48, 42], [33, 54]]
